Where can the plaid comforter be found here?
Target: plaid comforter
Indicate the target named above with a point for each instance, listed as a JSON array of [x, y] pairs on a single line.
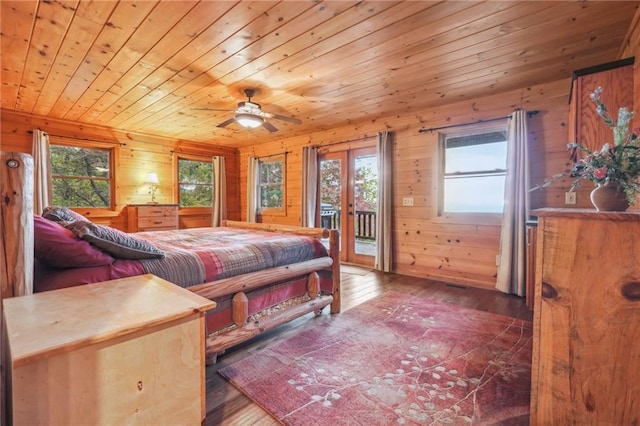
[[199, 255]]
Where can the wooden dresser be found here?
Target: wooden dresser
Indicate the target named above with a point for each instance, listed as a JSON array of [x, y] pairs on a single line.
[[586, 349], [152, 217], [127, 351]]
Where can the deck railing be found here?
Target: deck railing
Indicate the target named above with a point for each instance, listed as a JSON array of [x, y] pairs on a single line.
[[364, 223], [330, 219]]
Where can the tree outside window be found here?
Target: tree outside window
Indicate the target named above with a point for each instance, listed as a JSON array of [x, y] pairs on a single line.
[[195, 183], [81, 177], [271, 184], [365, 185]]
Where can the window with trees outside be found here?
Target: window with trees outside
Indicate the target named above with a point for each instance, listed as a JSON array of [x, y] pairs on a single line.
[[195, 183], [271, 174], [81, 177], [474, 167]]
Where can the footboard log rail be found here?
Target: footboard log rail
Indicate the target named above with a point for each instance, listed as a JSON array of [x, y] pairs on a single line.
[[238, 287]]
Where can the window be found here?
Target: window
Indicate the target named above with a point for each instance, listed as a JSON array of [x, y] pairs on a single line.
[[271, 174], [81, 177], [474, 165], [195, 183]]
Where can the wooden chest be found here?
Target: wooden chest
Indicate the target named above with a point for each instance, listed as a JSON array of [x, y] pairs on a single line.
[[586, 348], [152, 217], [128, 351]]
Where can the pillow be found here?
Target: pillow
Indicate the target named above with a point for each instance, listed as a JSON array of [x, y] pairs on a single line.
[[60, 248], [117, 243], [62, 214]]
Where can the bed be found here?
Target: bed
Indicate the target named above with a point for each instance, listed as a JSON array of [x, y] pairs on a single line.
[[259, 275]]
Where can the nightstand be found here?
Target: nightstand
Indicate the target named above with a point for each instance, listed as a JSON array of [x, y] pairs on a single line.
[[127, 351], [152, 217]]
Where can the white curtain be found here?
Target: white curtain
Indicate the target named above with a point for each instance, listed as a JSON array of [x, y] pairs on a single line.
[[219, 191], [252, 189], [309, 186], [512, 257], [42, 171], [384, 240]]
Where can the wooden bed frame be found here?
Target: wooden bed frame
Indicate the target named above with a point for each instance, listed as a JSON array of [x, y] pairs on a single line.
[[240, 285], [16, 257]]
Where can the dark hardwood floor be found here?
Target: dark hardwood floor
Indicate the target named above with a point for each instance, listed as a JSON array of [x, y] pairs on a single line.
[[228, 406]]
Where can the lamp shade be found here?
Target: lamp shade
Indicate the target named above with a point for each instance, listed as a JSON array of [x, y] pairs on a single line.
[[152, 178], [249, 120]]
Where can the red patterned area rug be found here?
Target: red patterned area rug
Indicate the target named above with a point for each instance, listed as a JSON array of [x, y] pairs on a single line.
[[397, 359]]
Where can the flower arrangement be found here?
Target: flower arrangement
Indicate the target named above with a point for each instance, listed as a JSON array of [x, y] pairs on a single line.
[[618, 164]]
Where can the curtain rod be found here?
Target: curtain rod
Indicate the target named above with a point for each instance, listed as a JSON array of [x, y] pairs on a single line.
[[347, 141], [273, 155], [80, 139], [529, 114]]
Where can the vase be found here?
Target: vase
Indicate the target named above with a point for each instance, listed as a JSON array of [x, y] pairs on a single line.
[[607, 198]]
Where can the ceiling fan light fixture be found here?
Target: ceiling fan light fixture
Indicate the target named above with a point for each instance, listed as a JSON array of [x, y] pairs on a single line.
[[249, 120]]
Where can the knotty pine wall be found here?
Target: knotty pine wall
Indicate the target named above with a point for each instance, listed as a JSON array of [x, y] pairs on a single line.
[[426, 246], [631, 48], [138, 155]]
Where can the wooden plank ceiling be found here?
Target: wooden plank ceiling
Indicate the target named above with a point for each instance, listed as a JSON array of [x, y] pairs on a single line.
[[151, 66]]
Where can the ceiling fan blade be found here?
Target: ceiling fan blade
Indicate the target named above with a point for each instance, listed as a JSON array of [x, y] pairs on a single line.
[[227, 122], [282, 117], [212, 109], [270, 127]]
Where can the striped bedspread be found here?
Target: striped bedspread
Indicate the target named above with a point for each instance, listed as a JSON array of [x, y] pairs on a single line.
[[199, 255]]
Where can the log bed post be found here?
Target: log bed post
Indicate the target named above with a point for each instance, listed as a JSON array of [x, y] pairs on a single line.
[[334, 252], [16, 224], [16, 242], [313, 285], [240, 310]]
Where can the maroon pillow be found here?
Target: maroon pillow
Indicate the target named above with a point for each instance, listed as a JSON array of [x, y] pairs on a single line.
[[60, 248]]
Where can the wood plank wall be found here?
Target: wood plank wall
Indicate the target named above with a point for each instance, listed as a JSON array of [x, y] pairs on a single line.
[[631, 48], [425, 246], [139, 154]]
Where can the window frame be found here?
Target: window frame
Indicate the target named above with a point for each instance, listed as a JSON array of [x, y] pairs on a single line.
[[193, 157], [481, 218], [114, 154], [272, 211]]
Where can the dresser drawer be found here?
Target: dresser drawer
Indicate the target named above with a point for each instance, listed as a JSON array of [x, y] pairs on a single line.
[[152, 223], [156, 211], [152, 217]]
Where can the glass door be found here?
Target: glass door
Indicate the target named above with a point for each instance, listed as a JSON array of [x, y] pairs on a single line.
[[333, 202], [348, 201]]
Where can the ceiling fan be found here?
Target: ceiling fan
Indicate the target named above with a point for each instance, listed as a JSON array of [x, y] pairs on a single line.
[[250, 115]]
